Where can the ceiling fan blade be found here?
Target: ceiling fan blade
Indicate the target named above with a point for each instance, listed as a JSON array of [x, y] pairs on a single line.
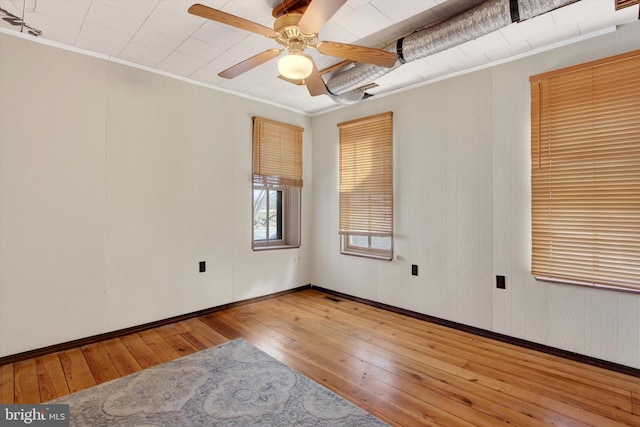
[[314, 82], [317, 14], [232, 20], [356, 53], [298, 82], [249, 63]]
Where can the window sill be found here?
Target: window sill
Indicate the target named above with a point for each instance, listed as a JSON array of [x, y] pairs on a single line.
[[367, 254], [273, 247], [618, 288]]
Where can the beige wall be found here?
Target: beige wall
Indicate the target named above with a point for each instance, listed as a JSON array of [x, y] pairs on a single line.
[[462, 212], [114, 183]]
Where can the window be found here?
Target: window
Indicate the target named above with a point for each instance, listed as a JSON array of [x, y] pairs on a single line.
[[277, 181], [366, 186], [267, 214], [585, 174]]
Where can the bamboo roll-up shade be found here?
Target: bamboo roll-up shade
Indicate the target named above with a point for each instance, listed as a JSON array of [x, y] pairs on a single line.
[[585, 173], [366, 176], [277, 153]]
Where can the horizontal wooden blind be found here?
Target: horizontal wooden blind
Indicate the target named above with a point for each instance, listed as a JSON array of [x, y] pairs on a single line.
[[366, 176], [277, 153], [585, 158], [621, 4]]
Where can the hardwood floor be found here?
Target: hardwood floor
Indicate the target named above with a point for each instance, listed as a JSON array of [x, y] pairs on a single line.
[[405, 371]]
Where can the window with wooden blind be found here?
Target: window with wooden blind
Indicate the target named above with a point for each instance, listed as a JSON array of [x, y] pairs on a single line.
[[366, 186], [277, 181], [585, 173]]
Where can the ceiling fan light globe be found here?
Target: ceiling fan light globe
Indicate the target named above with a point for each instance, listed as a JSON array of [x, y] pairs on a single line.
[[295, 67]]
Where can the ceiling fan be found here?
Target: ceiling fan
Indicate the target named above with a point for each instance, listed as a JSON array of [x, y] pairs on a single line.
[[296, 32]]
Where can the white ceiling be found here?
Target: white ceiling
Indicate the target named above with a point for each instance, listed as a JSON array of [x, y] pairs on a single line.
[[161, 35]]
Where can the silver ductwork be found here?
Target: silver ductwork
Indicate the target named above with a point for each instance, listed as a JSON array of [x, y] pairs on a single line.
[[351, 97], [478, 21]]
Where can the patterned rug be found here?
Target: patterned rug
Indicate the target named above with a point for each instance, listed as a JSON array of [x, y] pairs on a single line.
[[233, 384]]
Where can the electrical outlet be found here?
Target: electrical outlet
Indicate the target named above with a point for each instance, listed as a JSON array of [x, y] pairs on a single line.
[[414, 270], [203, 266], [501, 282]]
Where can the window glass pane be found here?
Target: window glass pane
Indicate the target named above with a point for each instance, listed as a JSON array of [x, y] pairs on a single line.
[[268, 215], [378, 242], [259, 214], [275, 215], [360, 241]]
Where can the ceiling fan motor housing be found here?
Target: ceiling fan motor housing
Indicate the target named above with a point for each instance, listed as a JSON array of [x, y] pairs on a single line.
[[289, 32]]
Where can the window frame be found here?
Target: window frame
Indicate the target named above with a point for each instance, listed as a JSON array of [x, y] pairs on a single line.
[[281, 235], [291, 220], [348, 248]]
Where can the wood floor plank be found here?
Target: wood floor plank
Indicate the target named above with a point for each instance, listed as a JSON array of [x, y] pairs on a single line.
[[140, 350], [554, 365], [213, 321], [391, 412], [7, 384], [445, 391], [381, 382], [173, 329], [548, 387], [182, 326], [100, 363], [594, 395], [210, 334], [123, 361], [159, 346], [406, 403], [465, 347], [196, 340], [51, 379], [26, 382], [572, 388], [416, 351], [544, 363], [181, 345], [562, 387], [405, 371], [76, 370]]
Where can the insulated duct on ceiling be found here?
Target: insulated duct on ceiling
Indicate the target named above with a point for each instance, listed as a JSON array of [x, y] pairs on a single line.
[[478, 21]]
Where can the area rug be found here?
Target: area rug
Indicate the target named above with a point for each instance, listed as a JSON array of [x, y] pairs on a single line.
[[233, 384]]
